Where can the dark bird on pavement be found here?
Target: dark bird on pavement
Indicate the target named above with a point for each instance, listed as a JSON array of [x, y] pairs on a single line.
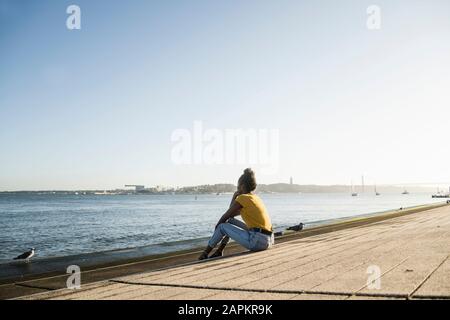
[[296, 228], [26, 255]]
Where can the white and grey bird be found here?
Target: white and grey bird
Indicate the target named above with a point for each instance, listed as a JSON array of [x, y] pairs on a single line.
[[26, 255]]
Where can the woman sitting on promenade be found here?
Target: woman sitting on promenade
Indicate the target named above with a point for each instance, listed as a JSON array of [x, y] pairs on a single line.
[[255, 234]]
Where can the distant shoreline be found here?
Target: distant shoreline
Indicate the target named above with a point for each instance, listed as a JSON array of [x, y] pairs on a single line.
[[277, 188]]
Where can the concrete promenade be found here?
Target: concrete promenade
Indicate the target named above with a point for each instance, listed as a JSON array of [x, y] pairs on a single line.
[[411, 253]]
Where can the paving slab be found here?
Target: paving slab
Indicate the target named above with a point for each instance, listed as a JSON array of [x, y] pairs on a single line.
[[319, 297], [438, 284]]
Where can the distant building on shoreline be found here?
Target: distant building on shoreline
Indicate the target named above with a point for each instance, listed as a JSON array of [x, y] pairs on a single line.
[[136, 187]]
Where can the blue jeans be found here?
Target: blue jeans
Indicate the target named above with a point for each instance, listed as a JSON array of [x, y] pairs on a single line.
[[238, 231]]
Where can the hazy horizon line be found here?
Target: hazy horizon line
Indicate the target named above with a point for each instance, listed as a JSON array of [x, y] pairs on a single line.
[[169, 187]]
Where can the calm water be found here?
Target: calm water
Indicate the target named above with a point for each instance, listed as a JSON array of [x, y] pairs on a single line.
[[59, 225]]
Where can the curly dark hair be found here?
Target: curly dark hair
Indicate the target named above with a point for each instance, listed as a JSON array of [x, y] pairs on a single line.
[[248, 180]]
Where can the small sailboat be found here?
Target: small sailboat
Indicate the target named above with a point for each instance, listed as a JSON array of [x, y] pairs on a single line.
[[354, 194], [405, 192], [376, 192]]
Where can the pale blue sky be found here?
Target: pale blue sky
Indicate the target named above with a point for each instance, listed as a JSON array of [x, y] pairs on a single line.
[[96, 107]]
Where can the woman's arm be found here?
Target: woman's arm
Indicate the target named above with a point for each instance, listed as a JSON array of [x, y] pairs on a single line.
[[233, 211], [235, 195]]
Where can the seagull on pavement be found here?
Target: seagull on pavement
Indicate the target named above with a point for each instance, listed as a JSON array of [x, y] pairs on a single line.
[[26, 255]]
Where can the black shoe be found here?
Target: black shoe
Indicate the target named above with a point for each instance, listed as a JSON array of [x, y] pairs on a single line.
[[203, 256], [216, 254]]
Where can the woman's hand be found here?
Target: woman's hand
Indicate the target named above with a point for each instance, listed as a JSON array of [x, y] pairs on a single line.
[[218, 223]]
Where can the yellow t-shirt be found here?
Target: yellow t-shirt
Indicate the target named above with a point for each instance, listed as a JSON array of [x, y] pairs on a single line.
[[254, 212]]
